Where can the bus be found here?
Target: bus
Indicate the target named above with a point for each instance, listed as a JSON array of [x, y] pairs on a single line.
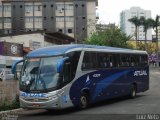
[[63, 76]]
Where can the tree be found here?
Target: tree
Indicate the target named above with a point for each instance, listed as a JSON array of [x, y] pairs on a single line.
[[113, 37], [147, 23], [136, 21], [151, 47], [156, 24]]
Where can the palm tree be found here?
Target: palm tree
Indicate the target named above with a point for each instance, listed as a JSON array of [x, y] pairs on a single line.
[[147, 24], [156, 24], [136, 21]]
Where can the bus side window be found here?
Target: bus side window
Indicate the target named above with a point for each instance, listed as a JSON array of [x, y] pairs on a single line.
[[125, 60], [143, 60], [135, 60], [86, 64], [74, 59], [103, 60], [132, 61], [66, 72], [89, 61], [114, 60]]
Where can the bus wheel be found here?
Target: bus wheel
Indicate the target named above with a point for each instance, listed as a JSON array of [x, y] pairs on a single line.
[[84, 101], [133, 92]]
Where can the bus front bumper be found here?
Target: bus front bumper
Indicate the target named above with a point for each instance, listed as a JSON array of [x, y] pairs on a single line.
[[35, 104]]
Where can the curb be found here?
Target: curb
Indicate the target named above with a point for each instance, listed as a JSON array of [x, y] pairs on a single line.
[[14, 111]]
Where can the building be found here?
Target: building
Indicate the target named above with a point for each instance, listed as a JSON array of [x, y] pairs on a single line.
[[129, 28], [9, 53], [15, 47], [35, 40], [102, 27], [76, 18]]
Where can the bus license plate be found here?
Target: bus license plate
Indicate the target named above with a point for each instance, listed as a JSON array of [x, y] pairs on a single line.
[[35, 105]]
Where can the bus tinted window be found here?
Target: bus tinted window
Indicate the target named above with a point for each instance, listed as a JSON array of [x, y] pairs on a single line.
[[103, 60], [114, 60], [143, 60], [74, 59], [89, 61], [125, 60], [135, 60]]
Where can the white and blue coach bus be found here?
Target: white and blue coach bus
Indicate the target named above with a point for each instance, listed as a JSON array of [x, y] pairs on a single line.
[[78, 75]]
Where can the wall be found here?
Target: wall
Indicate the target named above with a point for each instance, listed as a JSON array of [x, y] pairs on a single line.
[[8, 91], [11, 49], [91, 18], [25, 39]]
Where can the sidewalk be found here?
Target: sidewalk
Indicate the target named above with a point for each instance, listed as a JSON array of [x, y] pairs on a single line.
[[154, 68], [10, 114]]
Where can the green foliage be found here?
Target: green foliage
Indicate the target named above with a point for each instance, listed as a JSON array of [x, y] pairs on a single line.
[[113, 37]]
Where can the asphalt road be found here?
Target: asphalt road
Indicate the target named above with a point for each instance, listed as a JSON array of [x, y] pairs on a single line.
[[145, 106]]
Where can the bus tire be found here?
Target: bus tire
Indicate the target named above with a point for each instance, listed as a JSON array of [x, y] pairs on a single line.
[[84, 101], [133, 91]]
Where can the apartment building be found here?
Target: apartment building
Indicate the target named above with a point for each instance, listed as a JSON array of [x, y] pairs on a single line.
[[76, 18], [129, 28]]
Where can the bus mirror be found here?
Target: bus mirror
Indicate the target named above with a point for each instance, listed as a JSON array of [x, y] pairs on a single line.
[[14, 66], [60, 64]]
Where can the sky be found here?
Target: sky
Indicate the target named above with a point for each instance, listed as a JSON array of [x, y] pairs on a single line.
[[109, 10]]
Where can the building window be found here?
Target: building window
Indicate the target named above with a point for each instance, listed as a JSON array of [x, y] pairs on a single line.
[[29, 19], [76, 5], [69, 7], [84, 17], [60, 30], [38, 19], [44, 6], [60, 19], [14, 6], [21, 6], [70, 30], [69, 19], [82, 5], [45, 18], [51, 5], [45, 29], [7, 8], [0, 8], [59, 6], [29, 8], [38, 7], [1, 20], [7, 31], [7, 20]]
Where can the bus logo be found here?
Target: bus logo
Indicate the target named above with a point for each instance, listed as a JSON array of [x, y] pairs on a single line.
[[96, 75], [140, 73]]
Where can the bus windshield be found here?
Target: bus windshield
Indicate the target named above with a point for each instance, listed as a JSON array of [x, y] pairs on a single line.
[[40, 74]]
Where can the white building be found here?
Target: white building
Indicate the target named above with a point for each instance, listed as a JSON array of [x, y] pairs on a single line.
[[129, 28]]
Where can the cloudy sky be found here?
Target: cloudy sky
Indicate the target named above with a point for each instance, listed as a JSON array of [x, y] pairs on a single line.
[[109, 10]]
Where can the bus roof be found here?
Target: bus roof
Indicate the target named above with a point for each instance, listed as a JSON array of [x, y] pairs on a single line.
[[62, 49]]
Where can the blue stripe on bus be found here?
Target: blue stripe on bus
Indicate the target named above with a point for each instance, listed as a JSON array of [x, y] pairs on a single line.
[[107, 78], [103, 84]]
